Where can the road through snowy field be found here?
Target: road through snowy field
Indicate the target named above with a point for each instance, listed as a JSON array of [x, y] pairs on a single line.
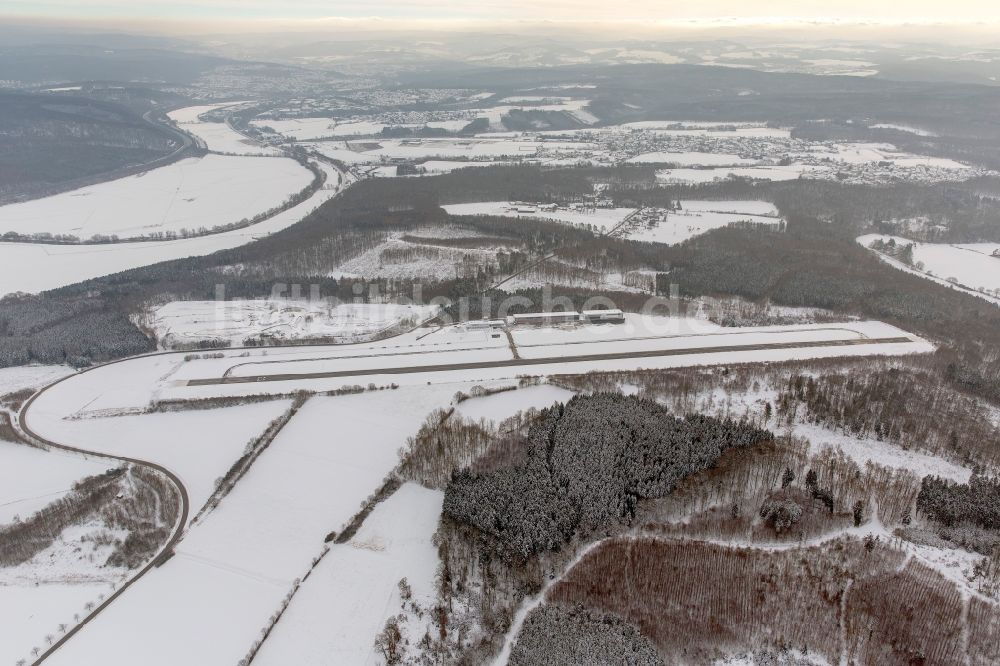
[[233, 568]]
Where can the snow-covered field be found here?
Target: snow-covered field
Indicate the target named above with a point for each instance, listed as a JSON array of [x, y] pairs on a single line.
[[790, 172], [180, 322], [970, 267], [190, 195], [31, 612], [698, 217], [30, 478], [499, 406], [33, 267], [306, 129], [488, 148], [441, 263], [31, 376], [217, 137], [239, 562], [46, 591], [433, 167], [694, 218], [344, 603], [860, 153], [334, 617], [199, 446], [602, 218]]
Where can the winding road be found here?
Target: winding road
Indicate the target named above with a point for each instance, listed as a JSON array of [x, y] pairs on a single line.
[[183, 502]]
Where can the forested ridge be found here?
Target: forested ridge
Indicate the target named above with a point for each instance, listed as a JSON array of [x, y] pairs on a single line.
[[49, 143]]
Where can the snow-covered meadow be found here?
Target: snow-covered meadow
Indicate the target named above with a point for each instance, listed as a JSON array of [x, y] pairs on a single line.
[[774, 173], [499, 406], [44, 592], [971, 267], [487, 148], [34, 267], [694, 218], [338, 610], [190, 195], [335, 615], [186, 322], [241, 560], [601, 218], [218, 137], [699, 217]]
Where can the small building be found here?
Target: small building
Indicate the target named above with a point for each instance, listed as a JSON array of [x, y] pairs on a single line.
[[484, 324], [545, 318], [602, 317]]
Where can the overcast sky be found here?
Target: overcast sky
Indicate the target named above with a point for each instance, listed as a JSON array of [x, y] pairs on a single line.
[[639, 11]]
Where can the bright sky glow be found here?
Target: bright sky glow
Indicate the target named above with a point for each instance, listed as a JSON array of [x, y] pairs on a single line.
[[665, 11]]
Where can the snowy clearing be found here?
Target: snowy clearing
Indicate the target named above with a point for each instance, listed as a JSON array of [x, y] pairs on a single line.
[[388, 259], [431, 168], [860, 153], [601, 218], [185, 322], [777, 173], [864, 450], [192, 194], [334, 617], [31, 376], [499, 406], [490, 148], [47, 606], [970, 267], [698, 217], [31, 478], [453, 354]]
